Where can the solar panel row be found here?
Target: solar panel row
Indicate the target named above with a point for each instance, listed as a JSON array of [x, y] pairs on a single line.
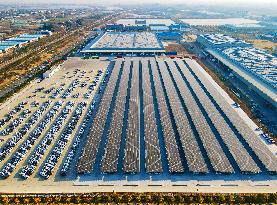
[[191, 149], [90, 150], [216, 154], [242, 158], [152, 146], [110, 158], [131, 157], [201, 130], [173, 156], [261, 151]]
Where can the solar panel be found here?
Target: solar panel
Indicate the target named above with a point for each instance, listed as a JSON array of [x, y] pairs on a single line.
[[90, 150], [260, 149], [151, 140], [215, 153], [110, 158], [131, 157], [240, 154], [173, 156], [191, 149]]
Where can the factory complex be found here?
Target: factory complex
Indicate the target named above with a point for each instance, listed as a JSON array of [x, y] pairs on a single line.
[[256, 67], [133, 116]]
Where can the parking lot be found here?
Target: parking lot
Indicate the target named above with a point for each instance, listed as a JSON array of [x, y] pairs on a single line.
[[41, 126]]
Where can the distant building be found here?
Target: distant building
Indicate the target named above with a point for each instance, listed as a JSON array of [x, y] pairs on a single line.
[[159, 28], [19, 23], [32, 36], [45, 32], [140, 21], [179, 27], [145, 21], [176, 36], [19, 41], [4, 49], [23, 40], [114, 27], [175, 27], [138, 27]]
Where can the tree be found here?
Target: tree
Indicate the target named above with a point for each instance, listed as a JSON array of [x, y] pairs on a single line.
[[5, 200], [231, 198], [272, 198], [222, 199], [26, 200], [209, 199], [137, 198], [127, 198], [199, 199], [37, 200], [68, 200], [48, 26], [97, 198], [16, 200], [239, 199], [179, 199], [261, 198], [169, 199], [57, 199], [158, 198], [78, 199], [80, 22]]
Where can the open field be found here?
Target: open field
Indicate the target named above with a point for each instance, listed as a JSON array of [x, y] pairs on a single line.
[[158, 124], [175, 47], [264, 44]]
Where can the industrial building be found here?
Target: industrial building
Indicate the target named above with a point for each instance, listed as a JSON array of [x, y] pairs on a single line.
[[19, 41], [175, 36], [220, 41], [253, 66], [255, 60], [45, 32], [147, 22], [122, 43], [154, 25], [114, 27], [157, 27]]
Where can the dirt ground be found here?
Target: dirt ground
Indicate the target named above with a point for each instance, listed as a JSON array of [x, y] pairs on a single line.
[[264, 44]]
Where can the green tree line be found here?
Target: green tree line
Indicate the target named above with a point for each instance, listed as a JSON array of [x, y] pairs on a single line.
[[137, 198]]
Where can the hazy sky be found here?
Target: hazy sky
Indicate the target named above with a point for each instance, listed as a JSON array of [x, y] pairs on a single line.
[[144, 1]]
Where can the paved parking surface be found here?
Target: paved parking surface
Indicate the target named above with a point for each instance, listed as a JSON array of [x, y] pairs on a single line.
[[76, 83]]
